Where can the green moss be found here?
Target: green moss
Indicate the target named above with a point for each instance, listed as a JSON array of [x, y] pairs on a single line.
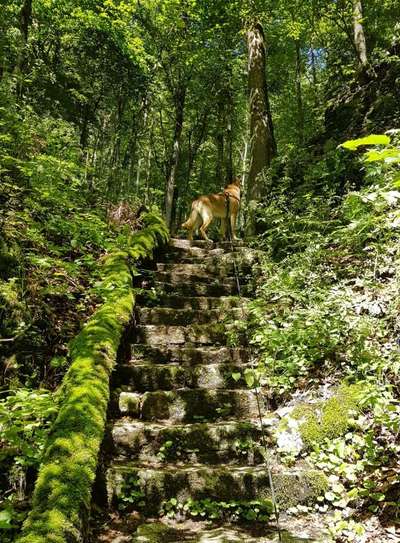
[[156, 533], [63, 489], [328, 419], [305, 490], [317, 483]]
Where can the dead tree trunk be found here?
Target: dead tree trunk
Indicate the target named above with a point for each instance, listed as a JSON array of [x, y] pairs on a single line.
[[262, 141]]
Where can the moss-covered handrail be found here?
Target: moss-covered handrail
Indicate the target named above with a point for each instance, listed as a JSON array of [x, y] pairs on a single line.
[[62, 494]]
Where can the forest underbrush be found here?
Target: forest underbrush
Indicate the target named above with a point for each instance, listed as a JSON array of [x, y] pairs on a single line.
[[325, 327], [54, 234]]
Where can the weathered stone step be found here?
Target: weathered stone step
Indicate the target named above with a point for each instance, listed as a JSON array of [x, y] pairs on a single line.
[[194, 289], [189, 355], [172, 316], [203, 334], [190, 302], [194, 254], [293, 486], [196, 269], [150, 377], [177, 278], [223, 442], [300, 529], [185, 244], [189, 405], [221, 263]]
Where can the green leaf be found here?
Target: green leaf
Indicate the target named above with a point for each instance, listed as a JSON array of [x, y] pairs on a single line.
[[5, 519], [249, 378], [373, 139], [389, 156], [236, 376]]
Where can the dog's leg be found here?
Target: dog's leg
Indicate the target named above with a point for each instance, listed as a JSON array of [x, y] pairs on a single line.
[[233, 226], [203, 228], [222, 229]]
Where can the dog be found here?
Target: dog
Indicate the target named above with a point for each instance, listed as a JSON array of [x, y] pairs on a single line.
[[224, 206]]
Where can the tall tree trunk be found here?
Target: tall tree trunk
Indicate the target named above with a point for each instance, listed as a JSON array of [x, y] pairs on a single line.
[[25, 17], [299, 97], [359, 36], [313, 67], [229, 135], [220, 142], [262, 141], [180, 97], [25, 21]]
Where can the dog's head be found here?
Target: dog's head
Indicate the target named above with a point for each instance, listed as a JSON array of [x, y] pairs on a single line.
[[235, 181]]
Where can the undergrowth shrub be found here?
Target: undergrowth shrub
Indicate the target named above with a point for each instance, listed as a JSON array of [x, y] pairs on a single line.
[[327, 311], [304, 319]]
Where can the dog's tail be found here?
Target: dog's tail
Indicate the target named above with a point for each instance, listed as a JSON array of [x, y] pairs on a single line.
[[193, 218]]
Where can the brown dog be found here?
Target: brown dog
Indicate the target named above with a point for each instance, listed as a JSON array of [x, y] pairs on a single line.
[[224, 206]]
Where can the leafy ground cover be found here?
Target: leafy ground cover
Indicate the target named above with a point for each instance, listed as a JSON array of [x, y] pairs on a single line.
[[325, 327]]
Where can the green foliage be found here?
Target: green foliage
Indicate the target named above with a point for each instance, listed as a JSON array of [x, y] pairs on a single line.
[[62, 493], [361, 464], [25, 420], [326, 310], [25, 417], [253, 510], [372, 139], [131, 495]]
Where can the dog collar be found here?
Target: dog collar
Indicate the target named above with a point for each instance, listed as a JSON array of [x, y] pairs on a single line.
[[229, 195]]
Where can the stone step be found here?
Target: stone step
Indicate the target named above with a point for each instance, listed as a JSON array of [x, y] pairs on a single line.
[[192, 255], [189, 405], [172, 316], [221, 263], [186, 244], [223, 442], [308, 528], [203, 334], [188, 302], [179, 277], [293, 486], [189, 355], [148, 377], [196, 269], [194, 289]]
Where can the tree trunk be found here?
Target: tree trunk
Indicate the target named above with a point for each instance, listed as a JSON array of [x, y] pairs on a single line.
[[359, 36], [229, 174], [219, 163], [262, 141], [180, 97], [300, 110], [25, 21]]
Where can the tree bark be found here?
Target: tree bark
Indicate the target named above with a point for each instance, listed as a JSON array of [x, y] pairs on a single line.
[[220, 142], [359, 36], [25, 21], [180, 97], [262, 141], [229, 174], [300, 110]]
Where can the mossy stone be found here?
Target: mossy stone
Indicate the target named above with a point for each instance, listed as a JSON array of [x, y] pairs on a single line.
[[328, 419]]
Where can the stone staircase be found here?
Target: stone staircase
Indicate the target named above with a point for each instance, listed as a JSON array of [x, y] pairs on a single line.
[[181, 427]]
